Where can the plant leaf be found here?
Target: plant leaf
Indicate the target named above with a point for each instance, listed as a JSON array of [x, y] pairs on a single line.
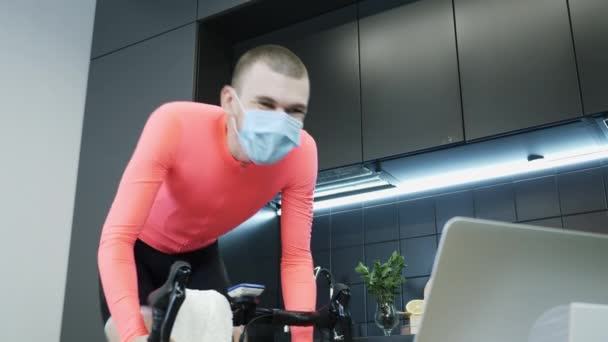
[[383, 280]]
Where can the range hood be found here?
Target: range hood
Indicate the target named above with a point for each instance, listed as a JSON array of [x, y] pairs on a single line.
[[348, 181], [581, 141], [352, 180]]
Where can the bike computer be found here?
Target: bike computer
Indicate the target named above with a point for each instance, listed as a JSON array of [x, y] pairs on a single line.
[[245, 290]]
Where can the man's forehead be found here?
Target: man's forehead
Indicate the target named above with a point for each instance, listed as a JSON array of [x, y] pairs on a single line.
[[267, 83], [280, 99]]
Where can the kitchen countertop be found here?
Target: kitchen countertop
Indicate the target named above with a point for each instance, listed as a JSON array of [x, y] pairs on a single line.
[[394, 338]]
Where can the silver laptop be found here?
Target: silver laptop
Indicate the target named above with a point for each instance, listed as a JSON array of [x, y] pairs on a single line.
[[492, 280]]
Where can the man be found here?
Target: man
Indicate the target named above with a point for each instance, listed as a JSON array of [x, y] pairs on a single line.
[[197, 172]]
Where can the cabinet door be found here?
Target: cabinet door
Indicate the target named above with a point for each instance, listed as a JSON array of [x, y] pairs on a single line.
[[409, 77], [123, 89], [328, 46], [517, 65], [590, 28], [119, 23], [207, 8]]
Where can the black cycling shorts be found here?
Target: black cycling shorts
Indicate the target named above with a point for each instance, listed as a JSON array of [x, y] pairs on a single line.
[[208, 272]]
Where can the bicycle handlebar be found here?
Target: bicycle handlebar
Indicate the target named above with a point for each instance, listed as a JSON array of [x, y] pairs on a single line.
[[333, 315], [295, 318], [166, 301], [282, 317]]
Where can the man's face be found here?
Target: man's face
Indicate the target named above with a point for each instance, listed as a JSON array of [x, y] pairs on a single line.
[[263, 88]]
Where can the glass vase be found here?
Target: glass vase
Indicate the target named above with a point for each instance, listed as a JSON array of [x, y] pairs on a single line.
[[386, 317]]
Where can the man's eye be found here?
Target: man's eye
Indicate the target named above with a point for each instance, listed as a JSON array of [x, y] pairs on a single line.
[[297, 115], [266, 105]]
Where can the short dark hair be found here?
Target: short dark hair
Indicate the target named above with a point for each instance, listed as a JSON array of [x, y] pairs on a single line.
[[276, 57]]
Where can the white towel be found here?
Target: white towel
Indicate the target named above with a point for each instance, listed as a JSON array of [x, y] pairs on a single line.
[[205, 316]]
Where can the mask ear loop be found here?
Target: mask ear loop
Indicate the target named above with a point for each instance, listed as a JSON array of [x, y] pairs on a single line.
[[234, 126], [235, 95]]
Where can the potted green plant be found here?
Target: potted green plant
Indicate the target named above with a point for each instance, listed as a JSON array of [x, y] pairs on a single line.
[[383, 283]]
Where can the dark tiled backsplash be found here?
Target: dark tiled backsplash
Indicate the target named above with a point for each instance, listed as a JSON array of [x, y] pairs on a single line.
[[343, 263], [381, 223], [379, 251], [555, 222], [581, 191], [320, 239], [419, 254], [595, 222], [346, 229], [537, 198], [496, 202], [416, 218], [453, 204], [413, 288], [571, 198]]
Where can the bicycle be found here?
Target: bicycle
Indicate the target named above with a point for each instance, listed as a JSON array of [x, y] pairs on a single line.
[[167, 299]]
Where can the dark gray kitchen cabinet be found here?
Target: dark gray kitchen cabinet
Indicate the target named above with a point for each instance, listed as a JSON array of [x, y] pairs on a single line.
[[334, 117], [590, 29], [207, 8], [328, 46], [409, 77], [517, 65], [120, 23], [124, 88]]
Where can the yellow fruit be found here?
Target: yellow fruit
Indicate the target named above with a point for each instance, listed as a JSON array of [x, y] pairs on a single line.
[[415, 307]]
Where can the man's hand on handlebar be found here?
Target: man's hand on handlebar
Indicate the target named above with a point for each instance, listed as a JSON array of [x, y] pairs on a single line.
[[237, 332]]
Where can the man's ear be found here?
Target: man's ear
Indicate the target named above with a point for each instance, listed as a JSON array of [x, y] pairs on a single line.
[[226, 98]]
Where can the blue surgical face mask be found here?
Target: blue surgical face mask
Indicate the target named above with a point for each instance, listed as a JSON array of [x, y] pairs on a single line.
[[267, 136]]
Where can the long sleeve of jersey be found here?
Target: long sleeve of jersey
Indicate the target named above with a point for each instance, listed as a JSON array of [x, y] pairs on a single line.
[[143, 176], [297, 279]]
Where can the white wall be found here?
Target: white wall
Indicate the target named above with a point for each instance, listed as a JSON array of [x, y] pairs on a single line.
[[44, 59]]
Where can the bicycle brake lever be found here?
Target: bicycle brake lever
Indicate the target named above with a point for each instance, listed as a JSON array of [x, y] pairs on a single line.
[[166, 301], [340, 303], [178, 296]]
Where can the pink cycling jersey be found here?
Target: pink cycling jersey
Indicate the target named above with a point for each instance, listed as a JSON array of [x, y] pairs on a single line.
[[182, 189]]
